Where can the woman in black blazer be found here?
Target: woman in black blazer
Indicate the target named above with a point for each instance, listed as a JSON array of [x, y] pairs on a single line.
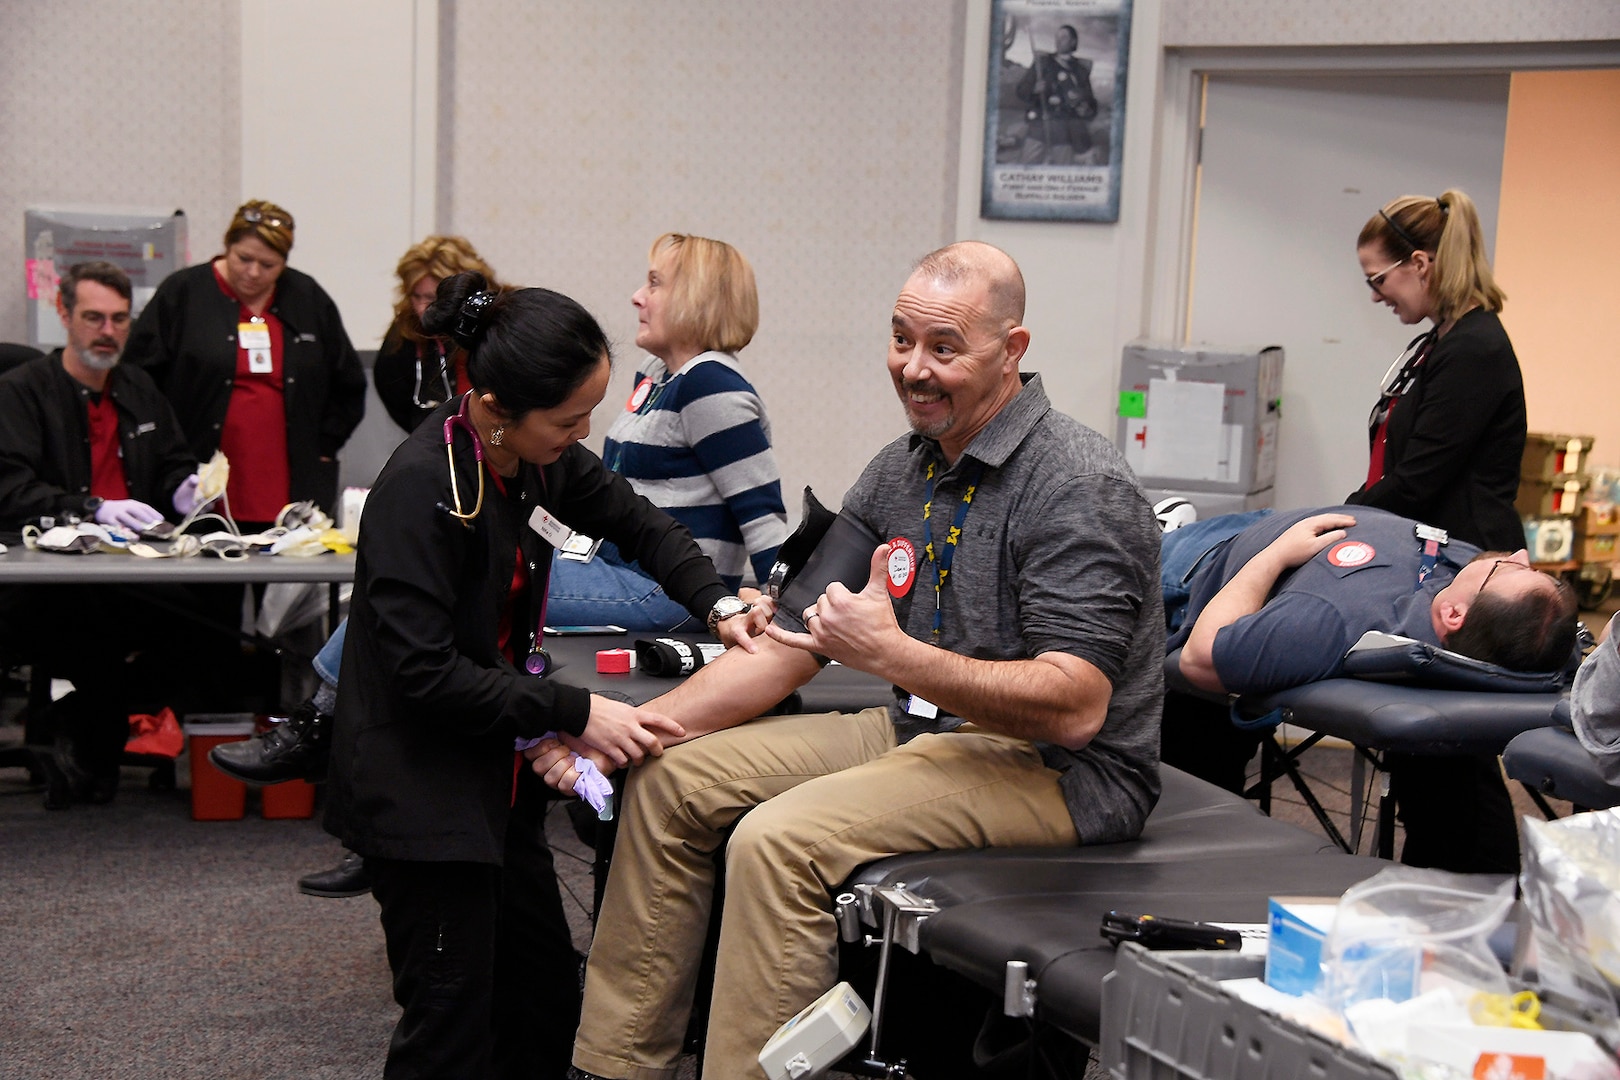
[[1447, 434], [1446, 437], [442, 683]]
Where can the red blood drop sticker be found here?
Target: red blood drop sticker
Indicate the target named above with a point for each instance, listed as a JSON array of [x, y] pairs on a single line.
[[902, 566], [1351, 553], [638, 396]]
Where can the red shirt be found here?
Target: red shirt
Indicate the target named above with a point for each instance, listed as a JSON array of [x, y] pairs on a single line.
[[460, 364], [254, 437], [106, 453], [1375, 463]]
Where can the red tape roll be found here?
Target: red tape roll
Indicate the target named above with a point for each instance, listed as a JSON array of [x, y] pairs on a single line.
[[613, 661]]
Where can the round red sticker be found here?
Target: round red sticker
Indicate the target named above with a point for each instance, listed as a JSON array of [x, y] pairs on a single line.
[[638, 396], [902, 566], [1351, 553]]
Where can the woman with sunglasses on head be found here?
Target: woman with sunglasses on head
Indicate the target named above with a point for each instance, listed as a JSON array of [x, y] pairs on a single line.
[[693, 437], [415, 371], [1447, 434], [442, 682], [1447, 438], [253, 356]]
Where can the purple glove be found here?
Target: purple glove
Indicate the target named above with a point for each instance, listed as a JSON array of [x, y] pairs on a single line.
[[129, 514], [589, 785], [593, 787], [185, 496]]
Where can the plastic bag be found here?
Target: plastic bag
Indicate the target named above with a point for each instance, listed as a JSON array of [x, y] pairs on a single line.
[[159, 736], [1571, 885], [1406, 932]]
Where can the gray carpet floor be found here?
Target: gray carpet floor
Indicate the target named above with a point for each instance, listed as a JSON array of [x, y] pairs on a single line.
[[140, 943]]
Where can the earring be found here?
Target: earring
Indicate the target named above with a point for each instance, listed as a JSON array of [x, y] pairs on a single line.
[[496, 436]]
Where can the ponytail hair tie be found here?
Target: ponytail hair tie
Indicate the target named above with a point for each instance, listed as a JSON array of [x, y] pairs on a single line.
[[471, 318], [1445, 207]]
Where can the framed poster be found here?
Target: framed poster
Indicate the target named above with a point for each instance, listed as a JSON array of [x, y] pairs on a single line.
[[1054, 118]]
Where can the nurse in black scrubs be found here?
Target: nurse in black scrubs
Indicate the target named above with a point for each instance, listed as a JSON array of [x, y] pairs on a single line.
[[437, 690]]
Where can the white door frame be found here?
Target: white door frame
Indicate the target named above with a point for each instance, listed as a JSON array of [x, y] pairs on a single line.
[[1170, 234]]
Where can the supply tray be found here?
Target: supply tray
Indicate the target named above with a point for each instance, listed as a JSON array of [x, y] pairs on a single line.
[[1164, 1015]]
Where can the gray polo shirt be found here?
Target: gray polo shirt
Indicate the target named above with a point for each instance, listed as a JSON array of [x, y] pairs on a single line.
[[1058, 552]]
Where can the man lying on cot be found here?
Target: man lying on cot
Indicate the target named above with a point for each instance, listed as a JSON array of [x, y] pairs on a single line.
[[1280, 603]]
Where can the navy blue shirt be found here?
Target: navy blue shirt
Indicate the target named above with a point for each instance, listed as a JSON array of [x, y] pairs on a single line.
[[1367, 581]]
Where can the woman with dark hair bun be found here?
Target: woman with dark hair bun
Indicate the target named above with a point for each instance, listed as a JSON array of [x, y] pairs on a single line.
[[443, 682]]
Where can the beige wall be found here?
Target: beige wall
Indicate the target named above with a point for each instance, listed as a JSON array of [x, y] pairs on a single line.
[[1558, 249], [820, 139], [832, 142], [113, 104], [1248, 23]]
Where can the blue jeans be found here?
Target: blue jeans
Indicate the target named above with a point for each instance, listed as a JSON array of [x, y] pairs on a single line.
[[330, 658], [1182, 551], [607, 591]]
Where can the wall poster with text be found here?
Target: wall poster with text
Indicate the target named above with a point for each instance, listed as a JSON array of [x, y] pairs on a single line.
[[1055, 109]]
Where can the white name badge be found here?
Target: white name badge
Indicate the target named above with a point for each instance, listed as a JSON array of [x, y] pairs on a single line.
[[259, 362], [253, 335], [550, 529]]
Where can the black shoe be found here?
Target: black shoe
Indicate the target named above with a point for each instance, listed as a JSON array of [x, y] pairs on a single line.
[[348, 878], [66, 780], [296, 749], [577, 1073], [58, 784]]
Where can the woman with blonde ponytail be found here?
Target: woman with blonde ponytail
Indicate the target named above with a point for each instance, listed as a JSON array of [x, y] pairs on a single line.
[[1446, 437], [1447, 433]]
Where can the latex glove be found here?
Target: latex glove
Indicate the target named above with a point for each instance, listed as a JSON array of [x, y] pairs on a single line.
[[130, 514], [185, 496], [589, 783], [592, 786]]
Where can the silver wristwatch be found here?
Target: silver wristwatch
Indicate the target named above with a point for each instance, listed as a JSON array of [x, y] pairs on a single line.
[[724, 608]]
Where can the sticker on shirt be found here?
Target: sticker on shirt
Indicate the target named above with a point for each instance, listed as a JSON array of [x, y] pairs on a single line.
[[553, 531], [1350, 554], [638, 396], [902, 566]]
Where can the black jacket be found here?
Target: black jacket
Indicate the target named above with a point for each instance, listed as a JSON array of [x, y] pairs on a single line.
[[1456, 439], [407, 372], [428, 709], [186, 338], [45, 441]]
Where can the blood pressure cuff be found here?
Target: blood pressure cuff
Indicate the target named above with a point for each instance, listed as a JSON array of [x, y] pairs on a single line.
[[798, 547], [844, 554], [669, 657], [1417, 663]]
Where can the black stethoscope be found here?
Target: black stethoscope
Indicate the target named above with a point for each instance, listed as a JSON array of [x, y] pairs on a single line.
[[1399, 378], [461, 418], [444, 380]]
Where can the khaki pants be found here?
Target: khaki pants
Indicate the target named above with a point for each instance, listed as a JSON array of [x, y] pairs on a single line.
[[832, 792]]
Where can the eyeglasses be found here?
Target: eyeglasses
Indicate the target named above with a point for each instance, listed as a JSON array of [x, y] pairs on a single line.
[[98, 319], [1497, 564], [257, 217], [1375, 282]]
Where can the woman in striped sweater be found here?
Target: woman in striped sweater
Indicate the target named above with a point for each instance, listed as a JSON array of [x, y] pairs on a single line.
[[693, 438]]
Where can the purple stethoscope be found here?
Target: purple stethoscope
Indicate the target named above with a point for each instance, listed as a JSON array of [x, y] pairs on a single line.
[[538, 662], [460, 418]]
